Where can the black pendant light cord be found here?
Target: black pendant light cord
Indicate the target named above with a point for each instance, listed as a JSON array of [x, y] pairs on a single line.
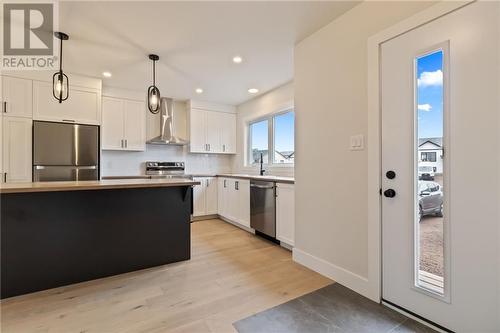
[[60, 71], [60, 82]]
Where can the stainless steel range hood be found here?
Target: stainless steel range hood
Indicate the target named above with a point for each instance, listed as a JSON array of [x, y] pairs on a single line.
[[167, 136]]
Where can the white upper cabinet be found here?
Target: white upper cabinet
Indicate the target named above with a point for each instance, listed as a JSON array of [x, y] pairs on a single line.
[[228, 133], [212, 128], [17, 97], [197, 131], [135, 125], [16, 149], [285, 213], [83, 105], [213, 122], [123, 124], [113, 119]]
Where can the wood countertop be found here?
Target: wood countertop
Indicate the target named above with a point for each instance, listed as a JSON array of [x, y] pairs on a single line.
[[93, 185]]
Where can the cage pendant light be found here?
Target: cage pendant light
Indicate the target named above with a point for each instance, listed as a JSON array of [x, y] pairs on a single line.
[[60, 81], [153, 91]]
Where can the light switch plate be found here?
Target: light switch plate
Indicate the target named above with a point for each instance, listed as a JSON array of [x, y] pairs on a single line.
[[357, 142]]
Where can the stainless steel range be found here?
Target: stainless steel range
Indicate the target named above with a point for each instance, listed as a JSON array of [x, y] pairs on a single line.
[[166, 170]]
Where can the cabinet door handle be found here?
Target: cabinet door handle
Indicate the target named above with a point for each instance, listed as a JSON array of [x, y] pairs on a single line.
[[4, 107], [223, 148], [237, 185], [224, 183], [209, 147], [206, 181], [126, 143], [121, 143], [68, 120], [5, 177]]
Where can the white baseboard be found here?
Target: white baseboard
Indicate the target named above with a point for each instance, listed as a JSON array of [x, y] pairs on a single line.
[[236, 224], [346, 278]]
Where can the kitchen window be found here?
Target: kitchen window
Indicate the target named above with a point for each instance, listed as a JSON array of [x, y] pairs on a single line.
[[275, 133]]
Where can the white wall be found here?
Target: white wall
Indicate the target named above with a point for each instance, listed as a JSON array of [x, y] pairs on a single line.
[[330, 106], [121, 163], [271, 102]]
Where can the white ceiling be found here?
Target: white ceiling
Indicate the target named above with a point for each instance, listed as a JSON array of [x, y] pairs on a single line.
[[195, 41]]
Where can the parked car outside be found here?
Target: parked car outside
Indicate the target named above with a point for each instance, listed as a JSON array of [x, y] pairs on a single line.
[[430, 199], [426, 172]]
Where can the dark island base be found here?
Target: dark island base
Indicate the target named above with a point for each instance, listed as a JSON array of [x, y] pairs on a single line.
[[52, 239]]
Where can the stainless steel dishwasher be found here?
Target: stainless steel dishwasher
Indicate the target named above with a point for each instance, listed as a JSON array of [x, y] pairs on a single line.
[[263, 207]]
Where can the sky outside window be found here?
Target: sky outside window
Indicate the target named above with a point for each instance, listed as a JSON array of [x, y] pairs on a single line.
[[284, 133], [430, 95], [259, 136]]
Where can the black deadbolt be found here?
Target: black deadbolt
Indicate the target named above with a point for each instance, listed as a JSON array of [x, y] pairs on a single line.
[[390, 193], [390, 174]]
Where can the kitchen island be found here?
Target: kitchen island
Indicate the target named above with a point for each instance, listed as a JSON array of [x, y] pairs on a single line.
[[58, 233]]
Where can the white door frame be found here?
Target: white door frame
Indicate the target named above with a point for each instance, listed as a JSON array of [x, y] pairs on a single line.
[[374, 135]]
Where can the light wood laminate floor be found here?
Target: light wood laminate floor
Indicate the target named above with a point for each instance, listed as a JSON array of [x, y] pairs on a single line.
[[232, 274]]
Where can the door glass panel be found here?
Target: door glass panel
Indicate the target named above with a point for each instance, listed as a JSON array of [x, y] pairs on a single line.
[[430, 191]]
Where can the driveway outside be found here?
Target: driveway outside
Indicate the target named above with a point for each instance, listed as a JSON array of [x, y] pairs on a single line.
[[431, 241]]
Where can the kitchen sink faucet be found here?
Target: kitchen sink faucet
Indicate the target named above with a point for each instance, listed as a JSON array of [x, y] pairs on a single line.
[[261, 171]]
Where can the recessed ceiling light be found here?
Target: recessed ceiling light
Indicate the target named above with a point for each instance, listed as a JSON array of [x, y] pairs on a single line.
[[199, 90], [237, 59], [106, 74], [253, 90]]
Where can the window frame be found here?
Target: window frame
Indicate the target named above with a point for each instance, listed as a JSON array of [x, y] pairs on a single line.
[[270, 139], [430, 156]]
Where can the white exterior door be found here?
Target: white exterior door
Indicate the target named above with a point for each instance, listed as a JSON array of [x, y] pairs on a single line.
[[440, 231]]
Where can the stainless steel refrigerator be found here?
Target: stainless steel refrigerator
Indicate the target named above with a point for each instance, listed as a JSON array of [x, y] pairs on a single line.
[[65, 151]]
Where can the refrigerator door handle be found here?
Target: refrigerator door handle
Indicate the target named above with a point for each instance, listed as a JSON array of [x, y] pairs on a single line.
[[89, 167]]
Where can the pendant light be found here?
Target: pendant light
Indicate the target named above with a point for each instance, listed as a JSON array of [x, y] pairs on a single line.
[[60, 82], [153, 91]]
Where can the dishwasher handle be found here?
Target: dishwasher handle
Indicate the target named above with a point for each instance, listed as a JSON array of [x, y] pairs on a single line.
[[262, 186]]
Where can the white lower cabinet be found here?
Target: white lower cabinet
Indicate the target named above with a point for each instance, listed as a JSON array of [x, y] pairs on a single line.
[[16, 149], [285, 213], [234, 200], [205, 196]]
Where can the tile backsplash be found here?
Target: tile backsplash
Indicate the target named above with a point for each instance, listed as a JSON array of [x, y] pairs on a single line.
[[127, 163]]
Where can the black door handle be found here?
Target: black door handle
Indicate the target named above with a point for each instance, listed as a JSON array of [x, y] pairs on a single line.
[[389, 193]]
